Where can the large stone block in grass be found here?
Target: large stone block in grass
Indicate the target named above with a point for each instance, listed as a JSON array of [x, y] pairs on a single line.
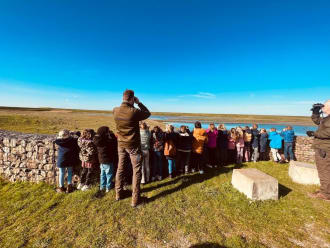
[[303, 173], [255, 184]]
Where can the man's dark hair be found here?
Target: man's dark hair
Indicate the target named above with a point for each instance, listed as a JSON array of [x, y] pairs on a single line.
[[198, 124], [128, 95]]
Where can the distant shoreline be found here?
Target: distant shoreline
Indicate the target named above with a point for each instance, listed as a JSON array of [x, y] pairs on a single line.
[[234, 122]]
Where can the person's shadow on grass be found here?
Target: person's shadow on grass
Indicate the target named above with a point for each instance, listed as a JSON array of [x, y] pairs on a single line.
[[188, 180]]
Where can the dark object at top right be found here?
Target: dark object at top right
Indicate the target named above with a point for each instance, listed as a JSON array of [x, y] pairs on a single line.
[[317, 107]]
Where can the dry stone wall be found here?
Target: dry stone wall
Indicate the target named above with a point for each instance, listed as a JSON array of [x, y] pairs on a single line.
[[303, 149], [30, 157], [27, 157]]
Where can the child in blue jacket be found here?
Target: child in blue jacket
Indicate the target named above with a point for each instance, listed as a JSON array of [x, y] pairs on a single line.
[[275, 144]]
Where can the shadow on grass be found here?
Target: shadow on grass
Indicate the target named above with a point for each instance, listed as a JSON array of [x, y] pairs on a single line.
[[283, 190], [207, 245], [188, 180]]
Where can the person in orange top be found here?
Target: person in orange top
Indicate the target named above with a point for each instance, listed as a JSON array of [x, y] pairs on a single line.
[[200, 139]]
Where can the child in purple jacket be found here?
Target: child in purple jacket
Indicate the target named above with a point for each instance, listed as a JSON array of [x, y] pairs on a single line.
[[212, 134]]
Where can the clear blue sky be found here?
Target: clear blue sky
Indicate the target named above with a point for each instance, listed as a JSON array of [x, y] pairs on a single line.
[[260, 57]]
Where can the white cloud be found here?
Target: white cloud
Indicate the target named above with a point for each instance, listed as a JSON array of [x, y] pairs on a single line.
[[204, 95]]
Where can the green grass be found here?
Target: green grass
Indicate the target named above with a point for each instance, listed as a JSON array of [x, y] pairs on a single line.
[[51, 122], [225, 118], [182, 212]]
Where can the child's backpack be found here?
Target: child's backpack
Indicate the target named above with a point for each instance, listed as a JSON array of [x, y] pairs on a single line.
[[170, 149]]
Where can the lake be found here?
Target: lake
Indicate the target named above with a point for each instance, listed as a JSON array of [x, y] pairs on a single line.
[[189, 121], [299, 130]]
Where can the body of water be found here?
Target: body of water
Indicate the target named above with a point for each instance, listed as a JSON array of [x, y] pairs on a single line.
[[299, 130]]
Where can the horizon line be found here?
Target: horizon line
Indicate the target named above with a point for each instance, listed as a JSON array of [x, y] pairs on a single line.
[[152, 112]]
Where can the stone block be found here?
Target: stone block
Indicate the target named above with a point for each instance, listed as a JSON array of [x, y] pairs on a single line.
[[50, 174], [23, 143], [29, 154], [29, 147], [32, 165], [13, 142], [6, 142], [14, 151], [255, 184], [48, 167], [303, 173], [21, 149]]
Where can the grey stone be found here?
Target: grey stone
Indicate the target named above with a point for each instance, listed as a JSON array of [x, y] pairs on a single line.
[[303, 173], [255, 184]]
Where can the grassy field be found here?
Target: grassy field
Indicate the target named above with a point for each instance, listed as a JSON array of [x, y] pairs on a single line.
[[189, 211], [49, 121]]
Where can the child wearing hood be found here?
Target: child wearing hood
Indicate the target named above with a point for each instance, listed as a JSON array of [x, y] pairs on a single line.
[[275, 144], [106, 143], [88, 157], [67, 153]]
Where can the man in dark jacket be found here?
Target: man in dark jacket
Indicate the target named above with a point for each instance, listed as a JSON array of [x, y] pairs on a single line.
[[322, 150], [127, 119]]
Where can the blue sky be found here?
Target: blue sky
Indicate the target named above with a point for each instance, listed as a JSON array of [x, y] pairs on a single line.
[[258, 57]]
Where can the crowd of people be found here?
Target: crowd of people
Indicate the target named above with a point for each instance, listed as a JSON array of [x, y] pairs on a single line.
[[191, 151], [141, 153], [185, 151]]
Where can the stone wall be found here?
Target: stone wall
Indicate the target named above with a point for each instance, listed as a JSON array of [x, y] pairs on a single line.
[[27, 157], [30, 157], [303, 149]]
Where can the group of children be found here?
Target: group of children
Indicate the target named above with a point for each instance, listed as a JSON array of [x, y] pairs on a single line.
[[92, 149], [184, 151]]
